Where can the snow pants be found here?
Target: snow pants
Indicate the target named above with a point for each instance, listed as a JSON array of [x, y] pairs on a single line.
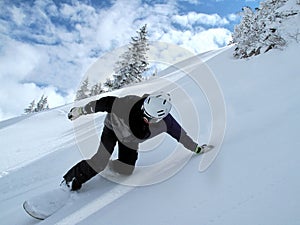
[[86, 169]]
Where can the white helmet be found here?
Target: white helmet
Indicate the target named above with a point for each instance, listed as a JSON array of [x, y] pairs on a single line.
[[157, 106]]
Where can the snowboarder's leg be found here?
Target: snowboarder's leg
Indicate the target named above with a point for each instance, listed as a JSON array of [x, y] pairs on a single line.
[[127, 158], [86, 169]]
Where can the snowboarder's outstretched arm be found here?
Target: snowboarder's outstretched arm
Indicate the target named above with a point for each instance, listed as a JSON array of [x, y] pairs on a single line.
[[104, 104], [176, 131], [101, 105]]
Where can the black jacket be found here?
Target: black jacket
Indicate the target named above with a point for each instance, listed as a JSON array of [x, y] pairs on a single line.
[[125, 118]]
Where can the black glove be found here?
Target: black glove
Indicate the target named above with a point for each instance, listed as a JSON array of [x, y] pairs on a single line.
[[203, 148]]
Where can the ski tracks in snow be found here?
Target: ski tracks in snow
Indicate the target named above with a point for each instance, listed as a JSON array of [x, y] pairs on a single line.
[[96, 205]]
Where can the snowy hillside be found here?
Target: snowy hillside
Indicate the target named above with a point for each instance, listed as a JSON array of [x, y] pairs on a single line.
[[254, 179], [249, 178]]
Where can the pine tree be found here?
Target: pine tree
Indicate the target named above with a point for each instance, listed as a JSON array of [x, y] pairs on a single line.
[[42, 104], [30, 108], [133, 63], [83, 91], [259, 31], [96, 89], [45, 103], [270, 20], [242, 36], [109, 84]]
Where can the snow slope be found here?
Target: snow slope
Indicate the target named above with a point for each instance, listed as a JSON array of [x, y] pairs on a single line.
[[254, 179]]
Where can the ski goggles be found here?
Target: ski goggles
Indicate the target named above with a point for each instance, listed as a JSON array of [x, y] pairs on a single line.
[[148, 118]]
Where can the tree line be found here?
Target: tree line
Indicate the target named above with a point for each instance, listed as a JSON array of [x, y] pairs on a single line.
[[41, 105]]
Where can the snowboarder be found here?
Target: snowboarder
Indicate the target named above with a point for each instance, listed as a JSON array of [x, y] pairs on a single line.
[[130, 121]]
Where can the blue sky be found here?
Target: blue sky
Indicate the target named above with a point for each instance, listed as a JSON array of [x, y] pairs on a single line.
[[47, 45]]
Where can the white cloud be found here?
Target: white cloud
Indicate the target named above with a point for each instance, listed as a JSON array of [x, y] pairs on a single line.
[[233, 17], [18, 62], [15, 97], [193, 2], [199, 42], [193, 18], [17, 15]]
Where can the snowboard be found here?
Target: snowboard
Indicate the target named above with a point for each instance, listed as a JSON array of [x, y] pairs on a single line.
[[45, 204]]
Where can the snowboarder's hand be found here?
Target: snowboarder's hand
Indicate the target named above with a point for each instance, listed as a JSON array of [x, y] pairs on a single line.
[[76, 112], [198, 149], [203, 148]]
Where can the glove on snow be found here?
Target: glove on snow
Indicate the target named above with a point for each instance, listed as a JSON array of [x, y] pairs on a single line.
[[76, 112]]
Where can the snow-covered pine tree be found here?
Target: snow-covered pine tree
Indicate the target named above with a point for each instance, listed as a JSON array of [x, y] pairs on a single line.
[[42, 104], [45, 103], [242, 37], [30, 108], [259, 31], [133, 63], [39, 105], [270, 20], [109, 84], [96, 89], [83, 91]]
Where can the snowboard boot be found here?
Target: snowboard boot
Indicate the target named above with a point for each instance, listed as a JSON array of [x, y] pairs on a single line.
[[73, 185], [79, 174]]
